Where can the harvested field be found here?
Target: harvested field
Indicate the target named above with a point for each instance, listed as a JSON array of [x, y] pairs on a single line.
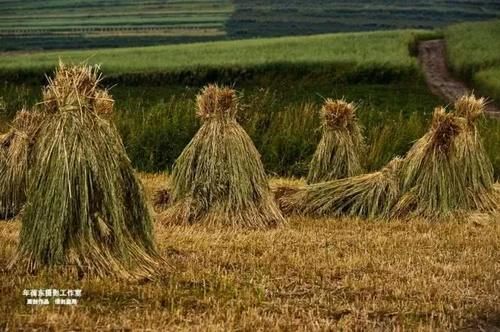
[[312, 275]]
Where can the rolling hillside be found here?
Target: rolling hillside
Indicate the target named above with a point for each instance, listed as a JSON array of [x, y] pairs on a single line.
[[388, 49], [57, 24], [299, 17], [91, 23]]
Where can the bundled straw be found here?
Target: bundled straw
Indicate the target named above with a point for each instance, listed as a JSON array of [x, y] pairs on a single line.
[[219, 177], [431, 173], [15, 161], [4, 145], [470, 108], [340, 148], [3, 150], [477, 170], [368, 195], [76, 88], [86, 210], [446, 173]]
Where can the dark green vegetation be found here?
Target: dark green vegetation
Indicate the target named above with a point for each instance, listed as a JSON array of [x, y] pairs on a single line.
[[283, 84], [374, 56], [282, 118], [474, 54], [301, 17], [31, 25]]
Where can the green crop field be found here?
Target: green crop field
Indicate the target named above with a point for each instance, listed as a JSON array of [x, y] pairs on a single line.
[[32, 25], [280, 78], [78, 24], [283, 82], [352, 50], [278, 18], [474, 54]]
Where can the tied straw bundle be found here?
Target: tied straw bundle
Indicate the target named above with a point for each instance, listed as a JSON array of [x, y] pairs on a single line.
[[219, 178], [86, 209], [446, 173], [338, 154], [15, 161]]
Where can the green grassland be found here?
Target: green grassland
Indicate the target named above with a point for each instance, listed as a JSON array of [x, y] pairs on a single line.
[[488, 81], [56, 24], [283, 82], [474, 54], [361, 50]]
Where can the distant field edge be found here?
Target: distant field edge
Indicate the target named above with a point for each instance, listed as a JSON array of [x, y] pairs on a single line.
[[338, 72], [473, 51], [374, 57]]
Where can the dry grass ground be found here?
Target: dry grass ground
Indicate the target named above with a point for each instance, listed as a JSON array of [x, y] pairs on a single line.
[[311, 275]]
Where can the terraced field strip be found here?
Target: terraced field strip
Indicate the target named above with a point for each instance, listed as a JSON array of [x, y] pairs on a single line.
[[73, 17], [276, 17], [57, 24]]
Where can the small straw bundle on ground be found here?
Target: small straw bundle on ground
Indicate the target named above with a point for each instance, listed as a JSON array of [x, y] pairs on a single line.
[[219, 178], [85, 209], [339, 151], [16, 148], [369, 195]]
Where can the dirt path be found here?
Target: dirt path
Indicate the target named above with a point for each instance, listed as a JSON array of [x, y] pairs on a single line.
[[432, 56]]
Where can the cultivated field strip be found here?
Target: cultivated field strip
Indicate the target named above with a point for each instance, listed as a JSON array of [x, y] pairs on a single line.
[[56, 24], [59, 24]]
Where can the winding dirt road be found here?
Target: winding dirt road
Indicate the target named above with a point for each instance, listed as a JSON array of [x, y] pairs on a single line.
[[432, 56]]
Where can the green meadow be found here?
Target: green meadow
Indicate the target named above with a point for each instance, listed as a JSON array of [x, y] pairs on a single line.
[[282, 82], [474, 54], [351, 51]]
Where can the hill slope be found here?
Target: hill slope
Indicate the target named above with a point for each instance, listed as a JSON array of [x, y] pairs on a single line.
[[90, 23], [347, 51], [279, 18]]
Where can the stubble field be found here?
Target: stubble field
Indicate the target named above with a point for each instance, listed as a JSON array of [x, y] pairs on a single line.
[[311, 275]]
